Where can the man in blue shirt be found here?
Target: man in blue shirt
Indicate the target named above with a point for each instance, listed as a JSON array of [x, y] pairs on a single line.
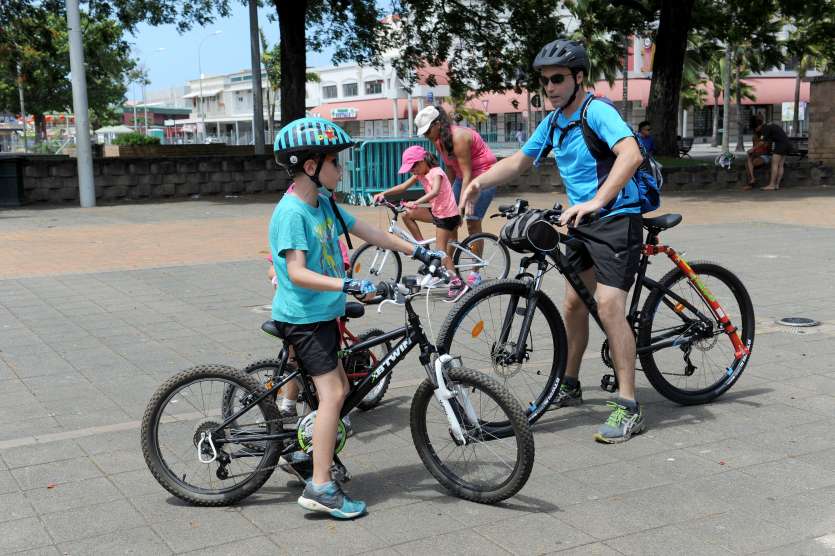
[[605, 191], [644, 134]]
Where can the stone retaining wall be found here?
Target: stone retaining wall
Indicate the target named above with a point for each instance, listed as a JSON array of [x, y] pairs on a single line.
[[822, 119], [694, 178], [54, 179]]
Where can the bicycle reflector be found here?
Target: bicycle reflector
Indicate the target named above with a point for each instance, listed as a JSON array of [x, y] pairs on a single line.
[[477, 329]]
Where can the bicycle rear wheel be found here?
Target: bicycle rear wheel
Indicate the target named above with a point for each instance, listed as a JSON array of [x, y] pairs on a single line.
[[473, 330], [494, 462], [702, 365], [373, 263], [184, 413], [493, 262]]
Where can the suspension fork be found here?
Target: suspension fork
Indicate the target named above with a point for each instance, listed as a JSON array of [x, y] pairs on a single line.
[[531, 300], [740, 349]]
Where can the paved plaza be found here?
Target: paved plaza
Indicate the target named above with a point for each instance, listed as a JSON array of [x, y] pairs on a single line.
[[98, 307]]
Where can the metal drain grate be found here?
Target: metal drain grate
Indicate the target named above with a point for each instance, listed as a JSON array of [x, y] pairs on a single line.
[[797, 322]]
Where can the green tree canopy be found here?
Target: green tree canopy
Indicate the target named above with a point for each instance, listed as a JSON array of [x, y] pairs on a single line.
[[36, 38]]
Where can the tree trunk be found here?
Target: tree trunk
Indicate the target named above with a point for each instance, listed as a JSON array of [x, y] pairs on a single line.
[[40, 128], [796, 115], [714, 142], [667, 65], [740, 124], [726, 101], [291, 21]]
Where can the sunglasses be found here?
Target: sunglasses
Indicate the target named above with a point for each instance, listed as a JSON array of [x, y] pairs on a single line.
[[556, 79]]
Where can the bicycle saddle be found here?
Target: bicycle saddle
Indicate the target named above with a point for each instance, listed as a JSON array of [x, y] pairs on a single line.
[[354, 309], [662, 222], [270, 328]]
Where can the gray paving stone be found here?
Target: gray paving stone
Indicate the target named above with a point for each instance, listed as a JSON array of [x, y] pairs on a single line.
[[15, 507], [42, 551], [120, 461], [593, 549], [184, 534], [59, 472], [8, 483], [322, 534], [139, 541], [537, 534], [808, 514], [821, 546], [738, 531], [23, 534], [457, 543], [664, 541], [137, 483], [791, 475], [254, 546], [40, 454], [90, 521], [67, 496], [412, 522]]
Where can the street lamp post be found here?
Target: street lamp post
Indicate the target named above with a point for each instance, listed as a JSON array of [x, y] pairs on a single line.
[[200, 70], [22, 107], [144, 79]]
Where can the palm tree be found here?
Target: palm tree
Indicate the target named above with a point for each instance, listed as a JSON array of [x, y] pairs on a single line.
[[271, 58]]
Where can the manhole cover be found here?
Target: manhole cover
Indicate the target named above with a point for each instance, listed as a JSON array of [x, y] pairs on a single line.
[[797, 321]]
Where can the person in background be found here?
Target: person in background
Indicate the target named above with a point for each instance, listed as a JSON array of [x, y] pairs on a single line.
[[779, 146], [644, 131], [466, 156]]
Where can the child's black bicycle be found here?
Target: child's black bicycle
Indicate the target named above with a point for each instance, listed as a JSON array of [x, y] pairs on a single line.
[[474, 438], [694, 332]]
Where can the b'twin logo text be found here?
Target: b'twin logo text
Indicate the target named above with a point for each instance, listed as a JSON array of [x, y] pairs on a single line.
[[398, 350]]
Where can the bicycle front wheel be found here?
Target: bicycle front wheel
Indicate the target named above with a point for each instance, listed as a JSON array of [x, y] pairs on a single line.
[[373, 263], [474, 330], [189, 456], [701, 364], [491, 463], [482, 253]]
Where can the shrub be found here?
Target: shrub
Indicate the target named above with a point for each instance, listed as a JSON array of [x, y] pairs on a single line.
[[135, 139]]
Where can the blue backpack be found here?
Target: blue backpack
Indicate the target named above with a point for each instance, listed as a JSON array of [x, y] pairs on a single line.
[[648, 176]]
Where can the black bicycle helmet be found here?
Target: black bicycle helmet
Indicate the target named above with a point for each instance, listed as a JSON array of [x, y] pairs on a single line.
[[567, 54]]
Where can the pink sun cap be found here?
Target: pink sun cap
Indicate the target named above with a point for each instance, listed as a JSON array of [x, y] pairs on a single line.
[[413, 154]]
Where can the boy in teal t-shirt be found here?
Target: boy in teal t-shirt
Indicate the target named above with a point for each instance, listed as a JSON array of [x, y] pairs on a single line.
[[304, 243]]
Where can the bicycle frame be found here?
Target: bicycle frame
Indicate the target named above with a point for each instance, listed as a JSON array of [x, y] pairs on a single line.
[[650, 248], [412, 335]]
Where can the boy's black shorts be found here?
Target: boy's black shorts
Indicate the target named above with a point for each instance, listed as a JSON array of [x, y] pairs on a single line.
[[316, 345], [612, 246], [449, 223]]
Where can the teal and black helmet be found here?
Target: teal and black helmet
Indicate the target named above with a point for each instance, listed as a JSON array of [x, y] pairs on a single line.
[[307, 138]]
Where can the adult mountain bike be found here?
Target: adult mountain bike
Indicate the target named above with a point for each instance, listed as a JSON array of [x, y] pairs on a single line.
[[694, 332], [370, 262], [469, 431]]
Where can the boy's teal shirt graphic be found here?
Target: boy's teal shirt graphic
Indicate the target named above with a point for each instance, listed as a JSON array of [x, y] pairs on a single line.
[[295, 225]]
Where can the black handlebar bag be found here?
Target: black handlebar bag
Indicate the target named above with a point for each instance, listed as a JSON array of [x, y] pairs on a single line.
[[530, 232]]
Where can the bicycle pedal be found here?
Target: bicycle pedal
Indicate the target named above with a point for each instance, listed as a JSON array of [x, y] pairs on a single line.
[[609, 383]]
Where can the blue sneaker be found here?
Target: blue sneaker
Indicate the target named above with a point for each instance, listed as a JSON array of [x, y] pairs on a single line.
[[330, 499]]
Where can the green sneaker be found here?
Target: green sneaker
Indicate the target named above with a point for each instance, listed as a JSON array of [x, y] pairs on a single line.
[[567, 396], [622, 423]]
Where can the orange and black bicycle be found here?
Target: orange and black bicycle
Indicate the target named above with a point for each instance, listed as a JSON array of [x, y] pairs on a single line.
[[694, 332]]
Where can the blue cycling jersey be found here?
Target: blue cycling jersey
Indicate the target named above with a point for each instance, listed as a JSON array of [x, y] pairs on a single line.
[[581, 173]]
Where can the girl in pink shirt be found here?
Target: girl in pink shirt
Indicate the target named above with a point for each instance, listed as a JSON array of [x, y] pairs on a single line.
[[443, 211]]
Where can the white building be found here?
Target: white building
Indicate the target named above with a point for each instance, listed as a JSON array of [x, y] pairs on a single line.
[[222, 105], [369, 101]]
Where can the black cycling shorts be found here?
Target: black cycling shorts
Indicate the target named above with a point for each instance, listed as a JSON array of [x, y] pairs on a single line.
[[611, 245], [449, 223], [316, 345]]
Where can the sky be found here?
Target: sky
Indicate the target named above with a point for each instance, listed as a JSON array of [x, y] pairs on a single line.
[[224, 53]]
